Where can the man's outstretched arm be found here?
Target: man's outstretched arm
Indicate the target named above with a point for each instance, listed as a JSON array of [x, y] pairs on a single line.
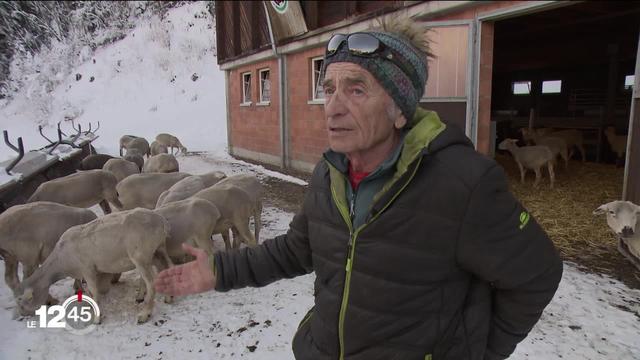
[[285, 256]]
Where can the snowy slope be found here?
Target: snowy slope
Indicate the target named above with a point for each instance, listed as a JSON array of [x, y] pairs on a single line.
[[143, 85]]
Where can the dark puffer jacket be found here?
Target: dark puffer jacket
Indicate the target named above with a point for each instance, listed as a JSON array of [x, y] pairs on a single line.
[[448, 264]]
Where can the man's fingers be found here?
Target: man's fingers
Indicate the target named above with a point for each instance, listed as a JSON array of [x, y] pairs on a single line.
[[197, 253]]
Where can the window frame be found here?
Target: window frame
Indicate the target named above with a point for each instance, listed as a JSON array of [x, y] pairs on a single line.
[[513, 87], [550, 93], [314, 82], [626, 87], [243, 100], [261, 101]]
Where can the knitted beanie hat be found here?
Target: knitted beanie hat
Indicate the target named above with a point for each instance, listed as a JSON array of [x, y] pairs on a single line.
[[405, 84]]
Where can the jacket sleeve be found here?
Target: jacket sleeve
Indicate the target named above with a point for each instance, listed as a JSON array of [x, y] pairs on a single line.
[[501, 243], [284, 256]]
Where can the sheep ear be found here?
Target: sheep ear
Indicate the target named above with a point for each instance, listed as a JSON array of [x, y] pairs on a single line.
[[28, 294], [600, 210]]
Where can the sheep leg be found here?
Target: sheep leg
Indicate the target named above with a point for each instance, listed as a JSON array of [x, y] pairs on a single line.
[[245, 234], [552, 175], [538, 176], [115, 278], [104, 282], [11, 271], [257, 221], [565, 157], [104, 205], [522, 172], [92, 283], [236, 238], [145, 271], [225, 237], [204, 244], [163, 255]]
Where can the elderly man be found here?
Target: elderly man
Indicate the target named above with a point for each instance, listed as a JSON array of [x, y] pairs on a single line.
[[419, 249]]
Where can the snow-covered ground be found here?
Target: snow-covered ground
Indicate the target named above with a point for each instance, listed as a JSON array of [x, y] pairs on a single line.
[[591, 316]]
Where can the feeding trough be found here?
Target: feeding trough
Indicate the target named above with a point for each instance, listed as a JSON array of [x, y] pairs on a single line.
[[21, 176]]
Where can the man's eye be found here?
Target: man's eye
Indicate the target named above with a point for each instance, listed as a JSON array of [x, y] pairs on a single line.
[[357, 91], [328, 90]]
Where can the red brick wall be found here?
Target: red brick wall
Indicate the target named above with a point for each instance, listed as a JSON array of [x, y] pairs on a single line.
[[307, 133], [255, 128]]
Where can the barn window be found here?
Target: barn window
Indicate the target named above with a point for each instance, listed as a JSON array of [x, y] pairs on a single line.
[[552, 87], [317, 91], [246, 88], [521, 87], [628, 82], [265, 86]]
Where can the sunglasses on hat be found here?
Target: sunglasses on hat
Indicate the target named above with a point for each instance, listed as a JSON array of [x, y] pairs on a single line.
[[366, 45]]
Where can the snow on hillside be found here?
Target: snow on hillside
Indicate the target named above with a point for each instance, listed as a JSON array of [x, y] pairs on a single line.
[[163, 77]]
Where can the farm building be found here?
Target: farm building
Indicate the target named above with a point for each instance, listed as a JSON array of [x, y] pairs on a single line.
[[500, 66]]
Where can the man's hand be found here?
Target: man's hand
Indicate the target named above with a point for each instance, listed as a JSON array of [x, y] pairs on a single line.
[[190, 278]]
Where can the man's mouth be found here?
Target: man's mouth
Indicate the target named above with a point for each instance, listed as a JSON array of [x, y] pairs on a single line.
[[338, 129]]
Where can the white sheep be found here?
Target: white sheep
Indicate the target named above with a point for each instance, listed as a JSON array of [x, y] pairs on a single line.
[[191, 220], [121, 168], [557, 146], [236, 207], [572, 137], [618, 143], [83, 189], [157, 148], [95, 251], [161, 163], [623, 218], [530, 157], [254, 188], [143, 190], [189, 186], [29, 232], [529, 133], [171, 142], [125, 140]]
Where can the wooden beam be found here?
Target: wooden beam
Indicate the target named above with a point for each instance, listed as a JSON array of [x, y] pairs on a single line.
[[311, 9], [236, 31]]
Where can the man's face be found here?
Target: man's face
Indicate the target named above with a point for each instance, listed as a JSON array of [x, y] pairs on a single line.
[[356, 109]]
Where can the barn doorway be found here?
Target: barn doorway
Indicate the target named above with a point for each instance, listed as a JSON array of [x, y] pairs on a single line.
[[570, 69]]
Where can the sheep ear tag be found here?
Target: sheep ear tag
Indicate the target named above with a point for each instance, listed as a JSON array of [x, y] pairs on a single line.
[[524, 219]]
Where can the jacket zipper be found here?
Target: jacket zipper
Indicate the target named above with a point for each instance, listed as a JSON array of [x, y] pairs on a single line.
[[351, 251]]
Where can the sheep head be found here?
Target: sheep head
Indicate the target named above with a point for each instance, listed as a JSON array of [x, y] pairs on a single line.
[[29, 300], [622, 217]]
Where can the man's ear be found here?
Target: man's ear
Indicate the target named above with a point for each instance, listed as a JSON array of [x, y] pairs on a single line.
[[400, 121]]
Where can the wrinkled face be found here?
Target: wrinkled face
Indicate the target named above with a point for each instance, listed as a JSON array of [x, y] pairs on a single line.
[[622, 217], [357, 109], [29, 300]]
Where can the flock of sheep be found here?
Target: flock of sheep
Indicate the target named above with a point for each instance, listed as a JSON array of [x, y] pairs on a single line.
[[622, 216], [551, 144], [55, 236]]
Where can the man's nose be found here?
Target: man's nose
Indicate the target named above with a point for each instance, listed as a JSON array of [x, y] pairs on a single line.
[[334, 105], [627, 231]]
